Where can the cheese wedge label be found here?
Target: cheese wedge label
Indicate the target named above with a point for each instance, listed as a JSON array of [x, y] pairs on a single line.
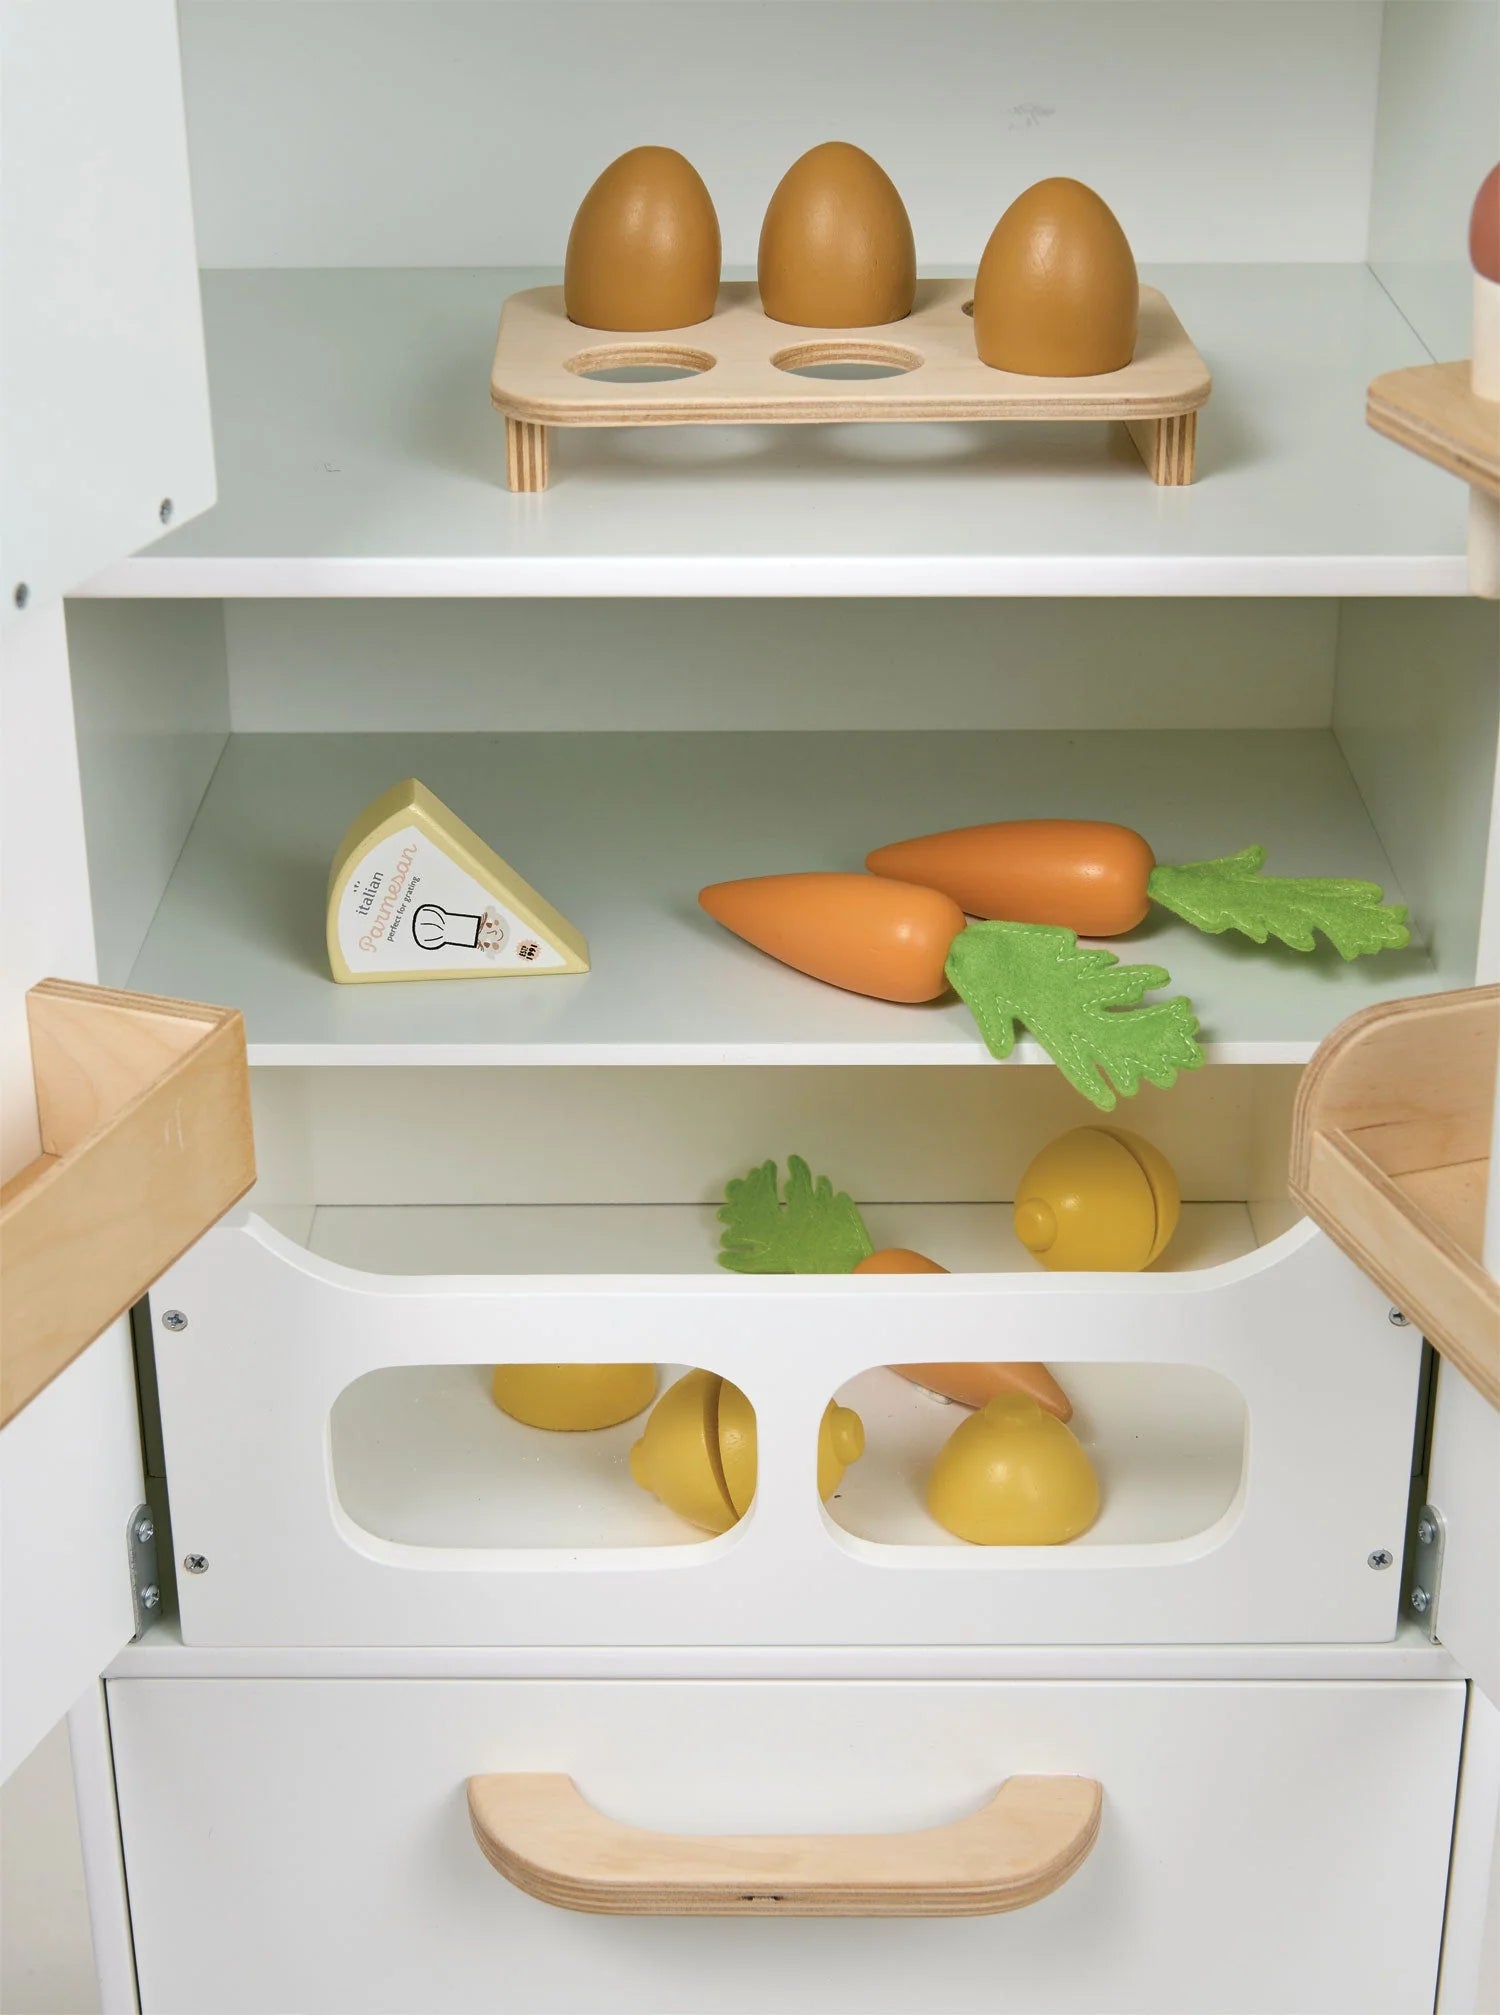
[[414, 894]]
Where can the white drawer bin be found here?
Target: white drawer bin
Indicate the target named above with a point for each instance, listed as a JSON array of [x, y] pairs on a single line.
[[1251, 1422], [1262, 1849]]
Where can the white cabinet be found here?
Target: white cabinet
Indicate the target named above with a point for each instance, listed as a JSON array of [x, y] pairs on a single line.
[[1262, 1849]]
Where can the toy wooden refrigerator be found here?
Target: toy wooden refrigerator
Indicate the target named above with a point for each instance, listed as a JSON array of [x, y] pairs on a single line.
[[381, 1699]]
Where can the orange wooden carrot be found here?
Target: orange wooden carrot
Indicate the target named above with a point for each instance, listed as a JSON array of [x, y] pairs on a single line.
[[969, 1384], [901, 942], [861, 932], [1099, 880], [1085, 873]]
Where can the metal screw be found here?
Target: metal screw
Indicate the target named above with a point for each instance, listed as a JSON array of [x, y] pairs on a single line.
[[145, 1531], [1421, 1601], [150, 1596], [1426, 1531], [1397, 1320], [1381, 1557], [174, 1319], [195, 1563], [164, 510], [21, 595]]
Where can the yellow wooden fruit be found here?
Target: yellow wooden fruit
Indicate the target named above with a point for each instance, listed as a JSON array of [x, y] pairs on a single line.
[[699, 1453], [573, 1397], [841, 1441], [738, 1457], [1097, 1200], [677, 1457], [1013, 1475]]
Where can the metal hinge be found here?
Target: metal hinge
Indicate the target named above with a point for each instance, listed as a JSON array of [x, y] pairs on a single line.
[[1425, 1553], [140, 1550]]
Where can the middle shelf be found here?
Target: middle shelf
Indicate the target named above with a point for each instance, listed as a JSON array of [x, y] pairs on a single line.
[[621, 830]]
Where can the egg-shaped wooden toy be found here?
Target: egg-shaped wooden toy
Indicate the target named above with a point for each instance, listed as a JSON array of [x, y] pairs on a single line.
[[643, 252], [573, 1397], [836, 247], [1097, 1200], [1057, 295], [1013, 1475]]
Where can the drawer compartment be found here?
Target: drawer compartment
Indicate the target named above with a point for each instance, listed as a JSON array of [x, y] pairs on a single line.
[[335, 1461], [1254, 1839]]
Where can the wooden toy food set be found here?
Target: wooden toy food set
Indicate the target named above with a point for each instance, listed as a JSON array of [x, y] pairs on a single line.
[[1054, 327], [1060, 1493]]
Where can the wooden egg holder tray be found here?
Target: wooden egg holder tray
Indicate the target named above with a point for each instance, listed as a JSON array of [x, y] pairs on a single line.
[[744, 369]]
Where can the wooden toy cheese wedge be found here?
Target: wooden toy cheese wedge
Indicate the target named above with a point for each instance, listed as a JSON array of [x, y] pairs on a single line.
[[415, 895]]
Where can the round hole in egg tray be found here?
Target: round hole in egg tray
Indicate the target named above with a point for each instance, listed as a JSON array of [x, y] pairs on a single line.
[[640, 363], [854, 360], [744, 369]]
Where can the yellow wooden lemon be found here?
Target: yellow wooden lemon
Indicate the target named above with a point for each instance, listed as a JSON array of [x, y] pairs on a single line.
[[1013, 1475], [573, 1397], [698, 1452], [677, 1457], [1097, 1200]]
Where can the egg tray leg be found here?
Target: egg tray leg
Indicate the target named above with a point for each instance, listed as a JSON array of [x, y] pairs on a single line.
[[1167, 447], [525, 454]]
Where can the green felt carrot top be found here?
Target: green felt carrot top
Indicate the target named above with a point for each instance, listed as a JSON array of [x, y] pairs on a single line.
[[1232, 894], [1080, 1003], [813, 1228]]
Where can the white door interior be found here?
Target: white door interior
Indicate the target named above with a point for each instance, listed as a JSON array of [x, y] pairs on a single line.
[[104, 439], [104, 424]]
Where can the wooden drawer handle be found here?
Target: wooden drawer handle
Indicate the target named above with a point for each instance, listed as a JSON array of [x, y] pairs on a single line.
[[543, 1835]]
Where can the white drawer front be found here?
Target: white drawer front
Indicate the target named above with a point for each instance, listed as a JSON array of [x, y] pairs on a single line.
[[1265, 1849], [274, 1335]]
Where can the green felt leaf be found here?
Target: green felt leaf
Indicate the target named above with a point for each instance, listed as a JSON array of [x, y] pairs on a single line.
[[816, 1229], [1082, 1006], [1233, 895]]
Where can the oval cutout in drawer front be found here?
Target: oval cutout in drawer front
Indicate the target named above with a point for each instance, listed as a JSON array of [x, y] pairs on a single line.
[[1252, 1834], [276, 1335], [1167, 1442]]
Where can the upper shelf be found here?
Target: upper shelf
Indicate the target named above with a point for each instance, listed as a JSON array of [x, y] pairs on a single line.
[[621, 830], [358, 455]]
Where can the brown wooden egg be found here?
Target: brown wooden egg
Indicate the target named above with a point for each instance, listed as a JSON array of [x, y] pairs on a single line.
[[836, 249], [1057, 294], [643, 252]]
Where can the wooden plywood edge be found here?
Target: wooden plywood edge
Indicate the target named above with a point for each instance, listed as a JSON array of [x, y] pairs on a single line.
[[146, 1122], [1415, 1078], [1431, 410], [540, 1832], [530, 380], [1412, 1255], [1390, 1146]]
